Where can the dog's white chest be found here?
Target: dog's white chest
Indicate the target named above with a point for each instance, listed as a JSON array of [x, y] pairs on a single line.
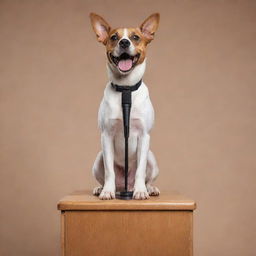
[[110, 112]]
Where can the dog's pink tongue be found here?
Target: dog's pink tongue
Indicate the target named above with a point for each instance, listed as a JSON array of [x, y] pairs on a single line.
[[125, 65]]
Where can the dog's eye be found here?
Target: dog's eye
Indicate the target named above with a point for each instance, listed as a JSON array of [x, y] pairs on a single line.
[[114, 37], [136, 37]]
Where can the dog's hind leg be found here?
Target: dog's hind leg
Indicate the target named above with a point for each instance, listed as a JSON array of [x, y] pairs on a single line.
[[98, 173], [152, 172]]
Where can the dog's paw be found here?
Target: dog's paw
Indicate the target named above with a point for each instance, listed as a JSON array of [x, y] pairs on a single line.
[[97, 190], [153, 191], [140, 194], [107, 195]]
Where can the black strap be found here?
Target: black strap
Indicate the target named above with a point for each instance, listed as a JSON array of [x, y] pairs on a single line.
[[121, 88]]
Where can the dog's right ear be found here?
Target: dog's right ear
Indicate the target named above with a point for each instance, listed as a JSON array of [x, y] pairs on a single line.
[[100, 27]]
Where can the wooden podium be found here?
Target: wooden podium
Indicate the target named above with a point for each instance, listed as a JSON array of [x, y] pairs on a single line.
[[159, 226]]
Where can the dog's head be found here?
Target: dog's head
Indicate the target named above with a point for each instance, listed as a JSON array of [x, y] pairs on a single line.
[[126, 47]]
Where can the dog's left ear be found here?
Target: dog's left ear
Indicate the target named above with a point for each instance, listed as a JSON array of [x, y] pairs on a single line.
[[149, 26], [100, 27]]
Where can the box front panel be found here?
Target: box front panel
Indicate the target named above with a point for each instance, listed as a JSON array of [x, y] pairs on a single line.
[[128, 233]]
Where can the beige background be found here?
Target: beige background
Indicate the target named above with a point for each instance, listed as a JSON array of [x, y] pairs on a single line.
[[201, 75]]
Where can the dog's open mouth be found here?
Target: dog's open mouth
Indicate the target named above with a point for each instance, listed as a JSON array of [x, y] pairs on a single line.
[[125, 62]]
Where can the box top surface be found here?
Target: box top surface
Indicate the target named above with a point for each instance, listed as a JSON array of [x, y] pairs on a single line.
[[85, 200]]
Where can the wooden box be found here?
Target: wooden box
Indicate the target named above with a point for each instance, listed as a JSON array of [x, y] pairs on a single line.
[[159, 226]]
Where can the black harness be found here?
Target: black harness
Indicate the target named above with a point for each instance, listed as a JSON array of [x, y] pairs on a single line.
[[126, 106]]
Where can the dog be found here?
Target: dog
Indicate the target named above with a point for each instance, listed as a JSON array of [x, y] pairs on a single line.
[[126, 63]]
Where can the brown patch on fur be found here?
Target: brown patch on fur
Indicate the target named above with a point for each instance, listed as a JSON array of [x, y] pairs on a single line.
[[112, 44], [140, 45]]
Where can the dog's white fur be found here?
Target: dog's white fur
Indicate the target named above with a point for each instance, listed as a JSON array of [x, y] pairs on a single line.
[[108, 168]]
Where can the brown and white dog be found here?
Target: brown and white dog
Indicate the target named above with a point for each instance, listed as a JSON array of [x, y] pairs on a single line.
[[126, 62]]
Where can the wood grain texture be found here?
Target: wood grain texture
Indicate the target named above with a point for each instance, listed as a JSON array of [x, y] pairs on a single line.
[[84, 200], [138, 233]]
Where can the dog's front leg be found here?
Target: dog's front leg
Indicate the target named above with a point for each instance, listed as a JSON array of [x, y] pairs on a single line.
[[140, 190], [108, 191]]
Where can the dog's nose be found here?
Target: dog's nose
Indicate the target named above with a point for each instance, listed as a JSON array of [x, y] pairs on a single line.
[[124, 43]]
